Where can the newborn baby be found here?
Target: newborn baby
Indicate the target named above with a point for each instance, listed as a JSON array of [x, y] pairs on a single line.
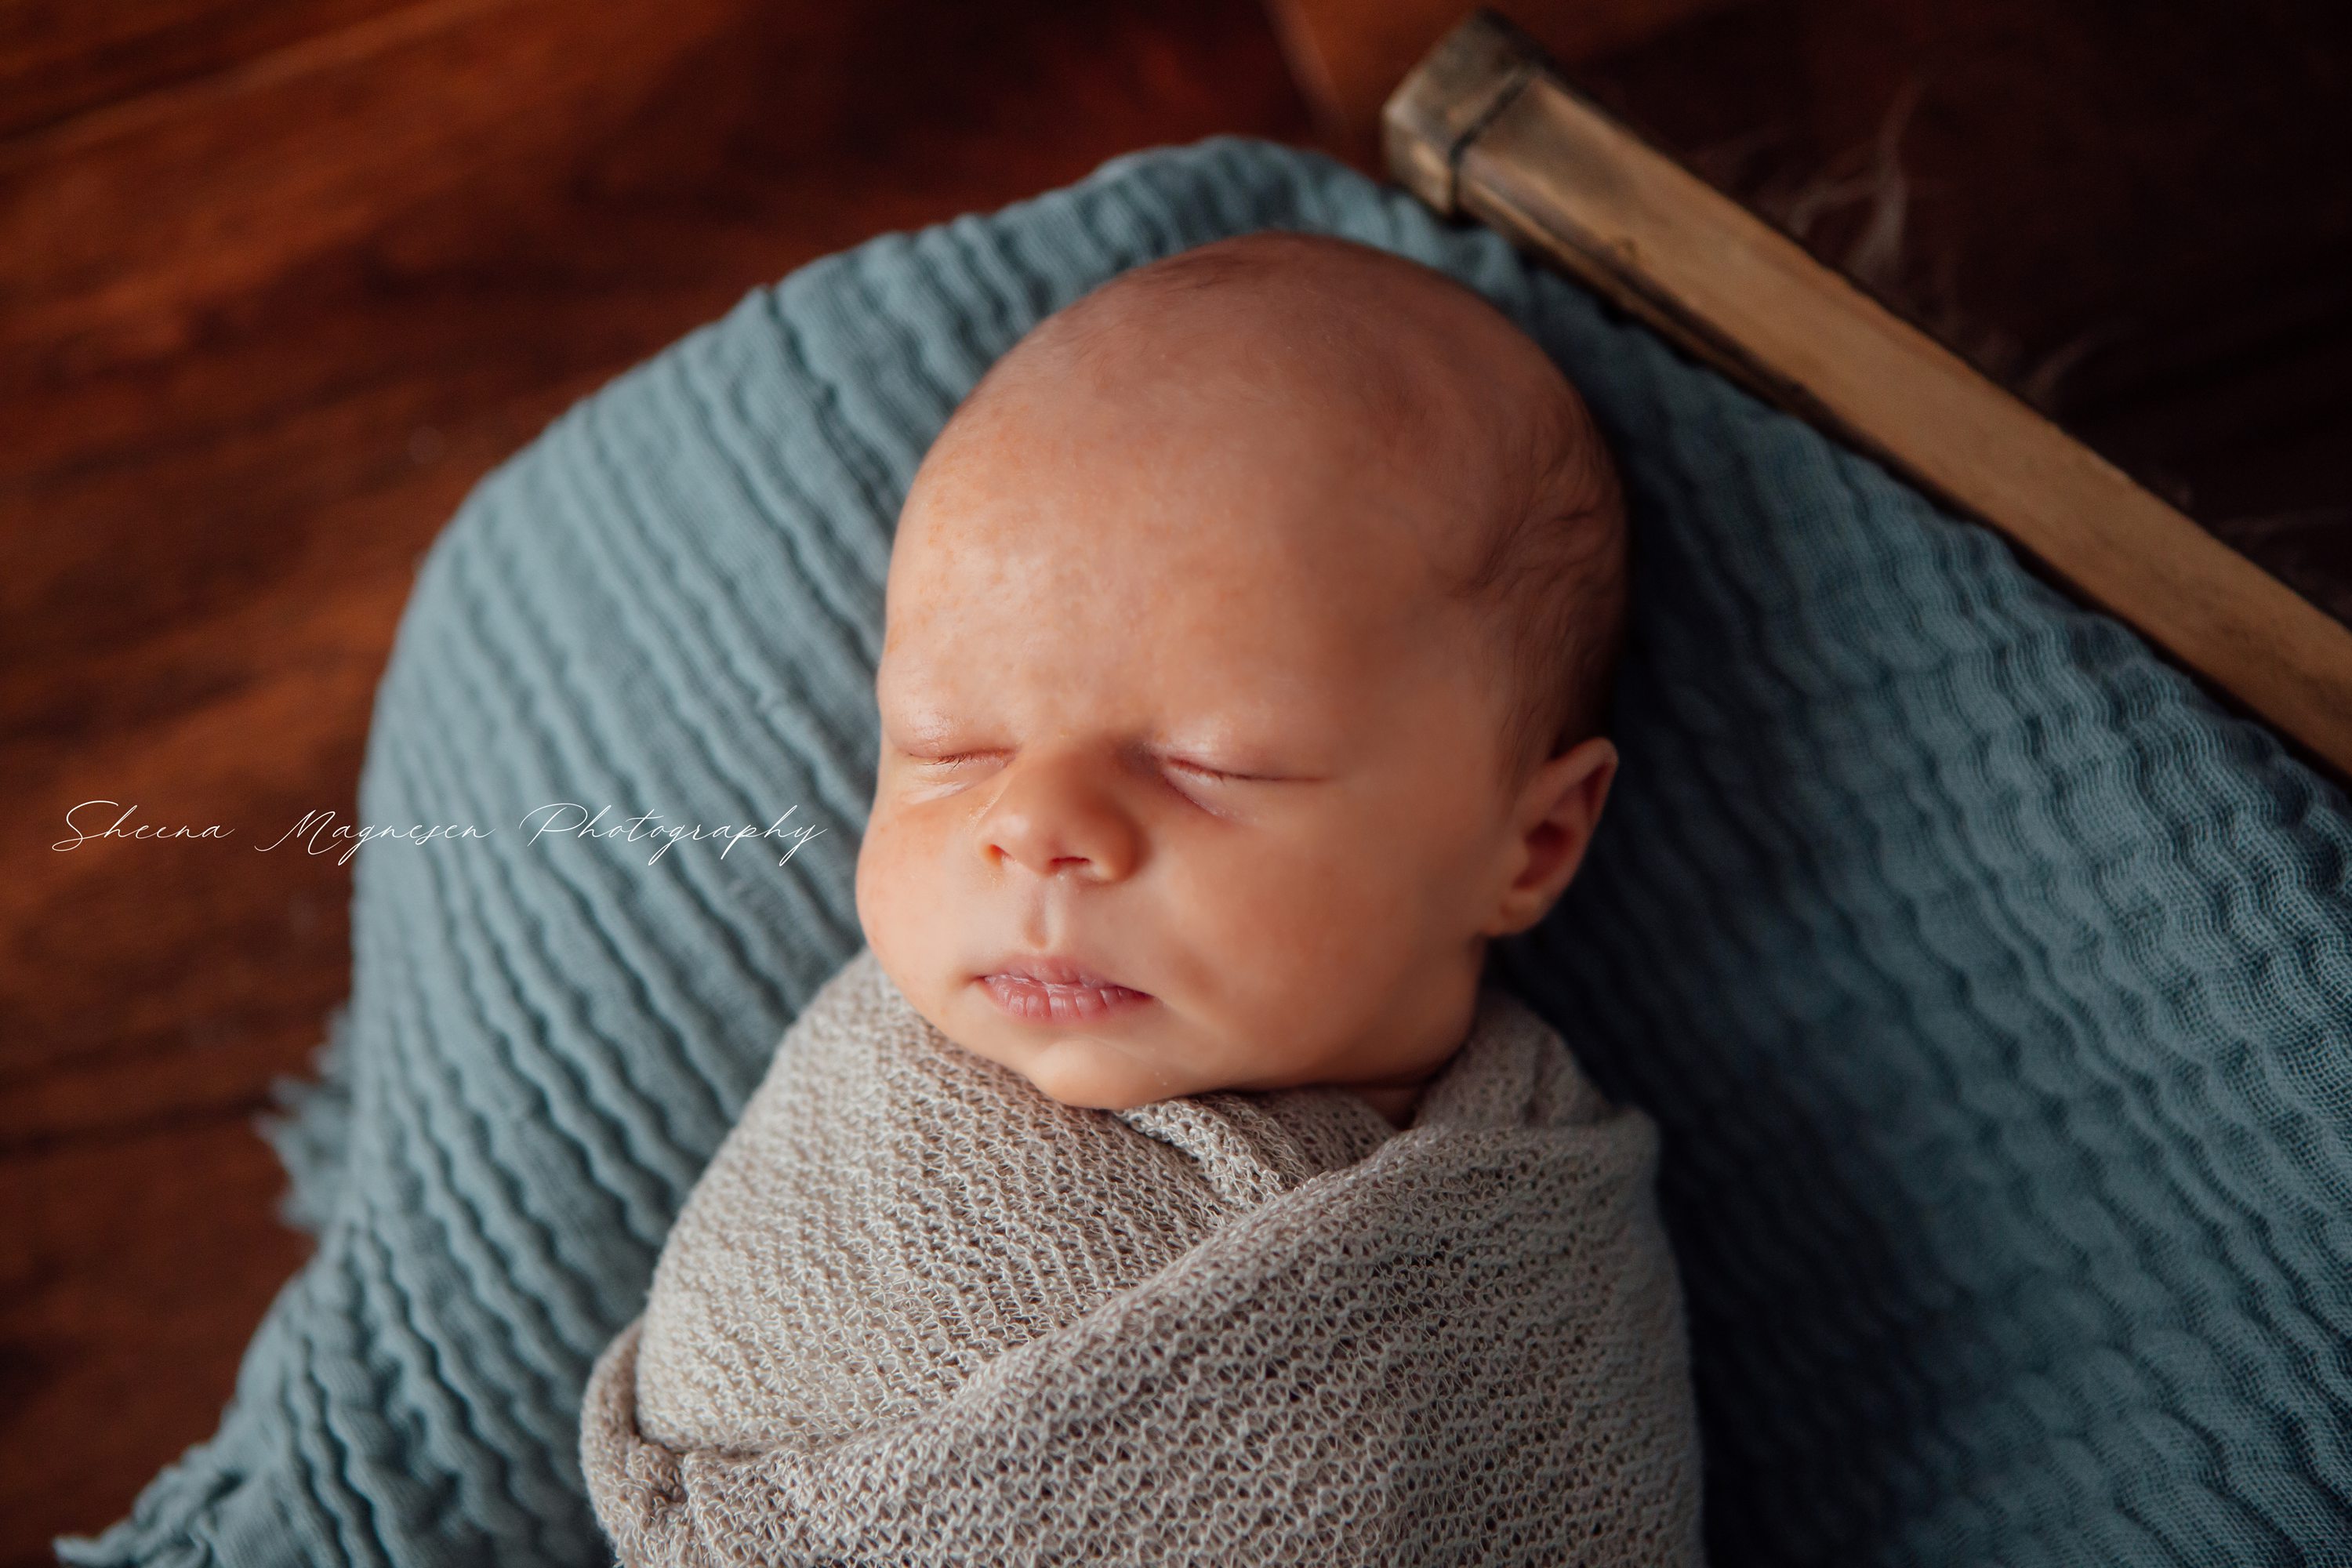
[[1162, 1183], [1249, 630]]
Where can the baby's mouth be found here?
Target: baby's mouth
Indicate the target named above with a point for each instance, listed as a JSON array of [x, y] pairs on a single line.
[[1056, 991]]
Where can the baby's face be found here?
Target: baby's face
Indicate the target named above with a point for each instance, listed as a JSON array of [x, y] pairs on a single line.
[[1167, 697]]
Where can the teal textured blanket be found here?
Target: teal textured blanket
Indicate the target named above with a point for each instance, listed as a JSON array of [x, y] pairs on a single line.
[[1992, 989]]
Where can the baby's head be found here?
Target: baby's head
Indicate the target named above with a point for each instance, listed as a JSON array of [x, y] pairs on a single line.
[[1249, 631]]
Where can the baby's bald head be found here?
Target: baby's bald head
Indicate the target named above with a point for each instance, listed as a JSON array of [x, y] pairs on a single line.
[[1410, 396], [1231, 627]]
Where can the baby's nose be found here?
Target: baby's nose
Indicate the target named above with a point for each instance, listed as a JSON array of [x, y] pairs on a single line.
[[1053, 818]]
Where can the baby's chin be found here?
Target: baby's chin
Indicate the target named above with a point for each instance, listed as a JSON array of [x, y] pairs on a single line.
[[1093, 1071], [1085, 1070]]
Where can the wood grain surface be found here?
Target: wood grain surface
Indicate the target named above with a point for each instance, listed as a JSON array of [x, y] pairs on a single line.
[[280, 279]]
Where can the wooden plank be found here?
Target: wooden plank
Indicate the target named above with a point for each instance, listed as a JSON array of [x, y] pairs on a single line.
[[1546, 166]]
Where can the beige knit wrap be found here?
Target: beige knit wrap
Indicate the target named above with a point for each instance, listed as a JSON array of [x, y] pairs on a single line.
[[917, 1311]]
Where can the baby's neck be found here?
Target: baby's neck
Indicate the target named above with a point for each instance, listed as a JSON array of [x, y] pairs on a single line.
[[1397, 1095], [1395, 1103]]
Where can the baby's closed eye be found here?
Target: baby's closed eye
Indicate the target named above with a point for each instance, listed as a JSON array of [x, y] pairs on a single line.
[[1201, 770], [1223, 775]]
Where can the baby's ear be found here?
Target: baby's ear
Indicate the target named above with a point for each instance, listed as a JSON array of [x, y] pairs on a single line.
[[1554, 819]]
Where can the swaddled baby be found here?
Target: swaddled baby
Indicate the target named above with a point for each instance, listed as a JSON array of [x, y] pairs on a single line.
[[1162, 1183]]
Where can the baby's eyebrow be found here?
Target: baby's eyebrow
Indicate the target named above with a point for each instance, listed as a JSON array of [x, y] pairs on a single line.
[[916, 719], [926, 727]]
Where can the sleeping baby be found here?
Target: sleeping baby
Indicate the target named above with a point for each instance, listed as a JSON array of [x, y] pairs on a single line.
[[1164, 1181]]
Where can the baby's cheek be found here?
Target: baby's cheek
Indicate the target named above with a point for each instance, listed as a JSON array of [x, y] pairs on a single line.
[[1309, 910], [885, 857]]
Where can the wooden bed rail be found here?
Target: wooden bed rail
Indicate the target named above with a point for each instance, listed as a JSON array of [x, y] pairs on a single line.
[[1485, 128]]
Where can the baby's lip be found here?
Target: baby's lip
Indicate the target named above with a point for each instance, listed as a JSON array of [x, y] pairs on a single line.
[[1050, 969]]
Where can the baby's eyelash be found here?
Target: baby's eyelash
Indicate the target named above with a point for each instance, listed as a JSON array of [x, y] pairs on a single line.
[[1219, 773], [947, 760], [1199, 769]]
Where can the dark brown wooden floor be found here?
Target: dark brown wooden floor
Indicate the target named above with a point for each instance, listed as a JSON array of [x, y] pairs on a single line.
[[280, 278]]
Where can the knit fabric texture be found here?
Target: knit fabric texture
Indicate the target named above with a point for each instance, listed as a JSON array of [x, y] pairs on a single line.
[[917, 1311], [1991, 987]]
